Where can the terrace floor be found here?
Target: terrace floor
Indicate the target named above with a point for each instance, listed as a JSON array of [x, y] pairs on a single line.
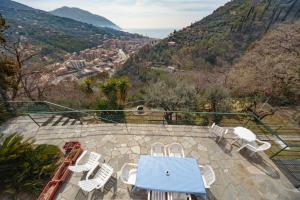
[[237, 175]]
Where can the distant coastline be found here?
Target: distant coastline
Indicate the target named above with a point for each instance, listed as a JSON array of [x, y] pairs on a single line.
[[158, 33]]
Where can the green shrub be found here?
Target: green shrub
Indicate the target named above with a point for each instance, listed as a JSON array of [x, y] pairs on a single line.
[[110, 116], [202, 121], [24, 166]]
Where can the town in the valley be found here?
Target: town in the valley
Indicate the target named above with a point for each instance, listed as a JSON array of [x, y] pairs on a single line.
[[106, 57]]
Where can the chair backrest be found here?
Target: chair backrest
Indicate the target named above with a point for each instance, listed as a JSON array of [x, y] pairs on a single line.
[[219, 130], [104, 173], [93, 158], [158, 149], [178, 196], [157, 195], [208, 174], [176, 150], [125, 171]]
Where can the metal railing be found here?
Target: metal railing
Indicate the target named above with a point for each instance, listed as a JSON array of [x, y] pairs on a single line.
[[285, 150], [38, 111]]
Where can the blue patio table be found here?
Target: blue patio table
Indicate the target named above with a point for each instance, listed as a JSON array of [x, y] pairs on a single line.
[[170, 174]]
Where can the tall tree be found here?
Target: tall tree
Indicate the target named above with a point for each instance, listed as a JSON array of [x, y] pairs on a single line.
[[116, 90], [20, 54], [7, 77], [171, 95], [30, 79], [215, 94], [7, 70]]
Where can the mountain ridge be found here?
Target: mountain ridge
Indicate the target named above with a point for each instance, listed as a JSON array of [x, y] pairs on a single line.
[[84, 16], [55, 36], [15, 5]]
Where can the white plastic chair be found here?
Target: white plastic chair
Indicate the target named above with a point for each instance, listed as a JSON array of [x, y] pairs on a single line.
[[175, 150], [128, 173], [99, 180], [219, 131], [252, 147], [156, 195], [208, 175], [91, 162], [179, 196], [158, 149]]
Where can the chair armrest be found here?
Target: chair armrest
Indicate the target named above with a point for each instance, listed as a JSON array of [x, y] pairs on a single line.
[[213, 125], [251, 146], [225, 132], [132, 164], [259, 141], [80, 157]]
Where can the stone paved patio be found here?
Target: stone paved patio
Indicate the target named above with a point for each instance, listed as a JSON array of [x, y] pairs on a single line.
[[237, 175]]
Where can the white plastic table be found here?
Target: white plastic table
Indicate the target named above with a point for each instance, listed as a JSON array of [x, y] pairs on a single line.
[[170, 174], [243, 134]]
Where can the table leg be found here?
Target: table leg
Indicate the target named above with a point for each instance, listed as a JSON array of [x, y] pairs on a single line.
[[235, 140], [133, 189]]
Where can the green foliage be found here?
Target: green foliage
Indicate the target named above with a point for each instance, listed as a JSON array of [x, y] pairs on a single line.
[[86, 86], [217, 97], [110, 116], [171, 95], [7, 76], [192, 119], [270, 68], [8, 72], [3, 27], [25, 167], [202, 121], [218, 40], [116, 90], [4, 115], [185, 119], [84, 16], [138, 96]]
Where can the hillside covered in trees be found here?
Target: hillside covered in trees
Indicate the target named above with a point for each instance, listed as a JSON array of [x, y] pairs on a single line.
[[218, 39], [84, 16], [207, 50], [271, 66]]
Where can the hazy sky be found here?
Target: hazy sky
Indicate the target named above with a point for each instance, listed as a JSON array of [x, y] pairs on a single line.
[[139, 13]]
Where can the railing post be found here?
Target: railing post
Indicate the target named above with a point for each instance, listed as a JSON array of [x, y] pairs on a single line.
[[33, 120]]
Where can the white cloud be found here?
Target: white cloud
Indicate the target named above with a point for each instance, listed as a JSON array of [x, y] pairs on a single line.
[[139, 13]]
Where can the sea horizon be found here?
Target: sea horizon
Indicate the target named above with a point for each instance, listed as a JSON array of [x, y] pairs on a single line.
[[158, 33]]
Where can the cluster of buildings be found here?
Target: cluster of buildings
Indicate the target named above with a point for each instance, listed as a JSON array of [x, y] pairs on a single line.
[[107, 57], [129, 46]]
